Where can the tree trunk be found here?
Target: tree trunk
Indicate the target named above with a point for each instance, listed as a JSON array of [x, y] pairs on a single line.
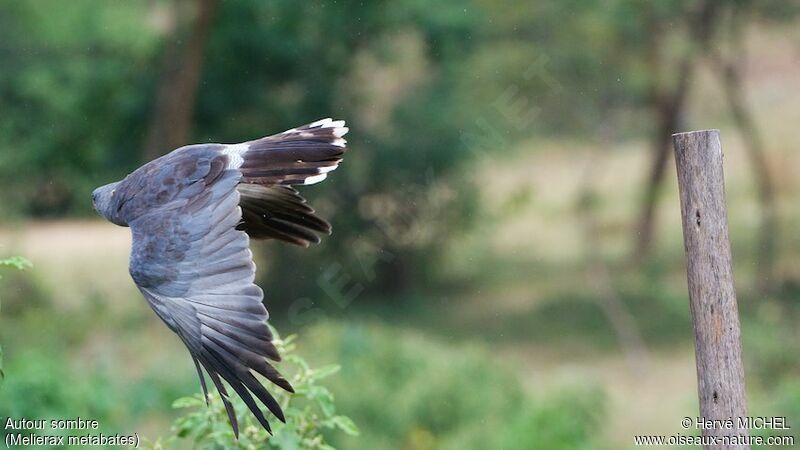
[[669, 105], [729, 71], [182, 64], [668, 109]]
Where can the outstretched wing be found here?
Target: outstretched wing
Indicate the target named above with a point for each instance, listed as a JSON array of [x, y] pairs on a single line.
[[191, 256], [195, 269]]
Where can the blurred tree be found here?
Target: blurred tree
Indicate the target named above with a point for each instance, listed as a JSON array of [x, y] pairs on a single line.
[[71, 96], [80, 97], [428, 90], [181, 66], [707, 43], [599, 274], [391, 67], [729, 69], [668, 104]]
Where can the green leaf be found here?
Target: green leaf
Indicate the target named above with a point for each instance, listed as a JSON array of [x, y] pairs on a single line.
[[187, 402], [345, 424], [326, 371], [324, 399], [309, 411], [16, 262]]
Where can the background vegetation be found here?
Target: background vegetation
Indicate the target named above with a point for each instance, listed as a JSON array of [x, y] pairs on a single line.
[[506, 268]]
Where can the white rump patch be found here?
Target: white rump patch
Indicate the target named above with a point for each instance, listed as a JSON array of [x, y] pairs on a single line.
[[236, 153]]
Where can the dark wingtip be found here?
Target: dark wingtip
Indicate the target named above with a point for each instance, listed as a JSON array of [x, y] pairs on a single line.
[[231, 417], [279, 414], [282, 382]]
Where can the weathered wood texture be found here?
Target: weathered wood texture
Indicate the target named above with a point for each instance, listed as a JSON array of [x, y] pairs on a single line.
[[720, 375]]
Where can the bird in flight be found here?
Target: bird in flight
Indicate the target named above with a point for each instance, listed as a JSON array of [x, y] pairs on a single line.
[[192, 214]]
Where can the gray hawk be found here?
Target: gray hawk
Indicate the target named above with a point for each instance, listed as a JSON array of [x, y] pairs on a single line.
[[192, 213]]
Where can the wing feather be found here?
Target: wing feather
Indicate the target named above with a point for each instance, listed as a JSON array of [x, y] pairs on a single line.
[[196, 270], [192, 213], [279, 212]]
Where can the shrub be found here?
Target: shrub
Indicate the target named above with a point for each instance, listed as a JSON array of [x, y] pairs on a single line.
[[308, 412], [407, 391]]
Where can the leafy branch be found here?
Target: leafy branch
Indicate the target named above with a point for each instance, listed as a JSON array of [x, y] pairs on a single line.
[[16, 262], [19, 263], [309, 412]]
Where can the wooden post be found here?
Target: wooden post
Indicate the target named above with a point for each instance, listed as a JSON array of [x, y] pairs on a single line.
[[720, 374]]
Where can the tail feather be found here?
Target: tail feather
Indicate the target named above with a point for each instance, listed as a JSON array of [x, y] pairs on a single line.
[[302, 155], [271, 208]]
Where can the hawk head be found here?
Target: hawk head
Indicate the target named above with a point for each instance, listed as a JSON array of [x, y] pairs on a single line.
[[106, 204]]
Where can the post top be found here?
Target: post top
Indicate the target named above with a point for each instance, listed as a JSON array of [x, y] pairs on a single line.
[[689, 133]]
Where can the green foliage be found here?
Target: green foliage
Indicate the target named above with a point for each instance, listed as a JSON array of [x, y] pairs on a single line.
[[19, 263], [427, 89], [79, 97], [23, 290], [407, 391], [783, 400], [408, 138], [771, 341], [566, 421], [310, 412], [72, 100], [16, 262], [60, 392], [787, 400], [46, 382], [86, 360]]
